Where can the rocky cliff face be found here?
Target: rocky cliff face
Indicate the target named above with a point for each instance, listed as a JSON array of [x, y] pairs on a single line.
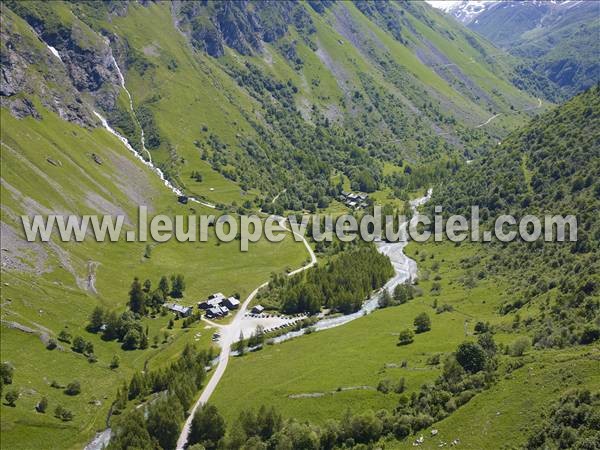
[[76, 69], [29, 67], [66, 64], [242, 25]]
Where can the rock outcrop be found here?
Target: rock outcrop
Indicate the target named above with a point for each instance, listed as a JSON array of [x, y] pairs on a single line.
[[242, 25], [63, 64]]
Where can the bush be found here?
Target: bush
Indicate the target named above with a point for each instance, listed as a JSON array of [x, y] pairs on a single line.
[[520, 346], [400, 386], [421, 421], [406, 337], [486, 340], [132, 339], [434, 360], [471, 357], [11, 397], [572, 422], [590, 334], [64, 336], [464, 397], [6, 373], [402, 427], [78, 345], [365, 427], [73, 388], [384, 386], [481, 327], [422, 323], [52, 344], [444, 308], [385, 299], [403, 293], [63, 414], [114, 363]]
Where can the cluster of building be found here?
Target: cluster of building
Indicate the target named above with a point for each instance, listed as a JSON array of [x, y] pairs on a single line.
[[353, 200], [217, 305]]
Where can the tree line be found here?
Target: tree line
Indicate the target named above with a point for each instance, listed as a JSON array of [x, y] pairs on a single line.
[[165, 394], [342, 284], [126, 327], [143, 299], [469, 370]]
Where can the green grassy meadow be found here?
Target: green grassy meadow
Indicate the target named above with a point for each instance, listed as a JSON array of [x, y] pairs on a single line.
[[503, 416], [363, 352], [48, 293], [321, 375], [395, 106]]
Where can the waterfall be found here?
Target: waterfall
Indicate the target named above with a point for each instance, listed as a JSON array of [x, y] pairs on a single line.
[[125, 142], [54, 52], [122, 82], [149, 164]]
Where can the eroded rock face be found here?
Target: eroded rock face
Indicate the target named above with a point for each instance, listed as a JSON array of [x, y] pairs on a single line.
[[61, 64], [68, 64], [240, 25], [22, 107], [11, 72]]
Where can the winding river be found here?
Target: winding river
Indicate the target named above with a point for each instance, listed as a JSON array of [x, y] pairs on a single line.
[[405, 270]]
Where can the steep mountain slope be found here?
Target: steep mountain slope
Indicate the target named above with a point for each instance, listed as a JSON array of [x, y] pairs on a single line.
[[549, 167], [48, 167], [385, 82], [56, 159], [556, 39], [234, 102]]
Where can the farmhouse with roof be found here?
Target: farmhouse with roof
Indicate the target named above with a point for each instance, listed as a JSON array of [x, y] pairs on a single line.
[[354, 200], [180, 310], [217, 305]]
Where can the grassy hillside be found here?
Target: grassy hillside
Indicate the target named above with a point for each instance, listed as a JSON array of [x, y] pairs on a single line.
[[549, 167], [351, 83], [237, 102], [312, 364], [47, 166], [323, 375], [510, 412]]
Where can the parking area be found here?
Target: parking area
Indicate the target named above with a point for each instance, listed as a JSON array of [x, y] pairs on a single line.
[[269, 322]]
